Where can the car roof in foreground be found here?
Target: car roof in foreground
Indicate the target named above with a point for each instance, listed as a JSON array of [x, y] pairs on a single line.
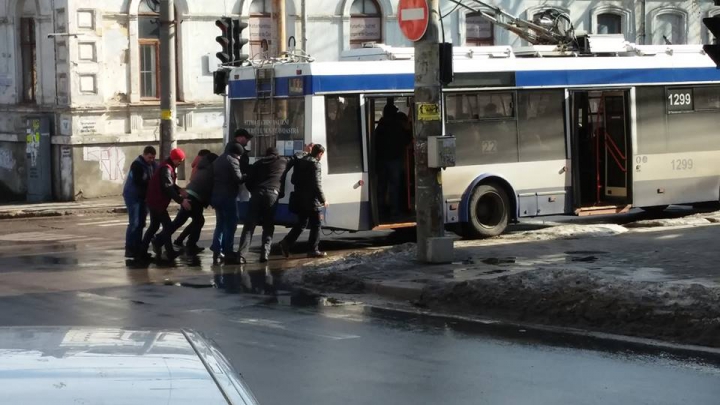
[[67, 365]]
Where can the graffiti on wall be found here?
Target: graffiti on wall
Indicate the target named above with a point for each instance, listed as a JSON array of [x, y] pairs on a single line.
[[7, 161], [111, 160]]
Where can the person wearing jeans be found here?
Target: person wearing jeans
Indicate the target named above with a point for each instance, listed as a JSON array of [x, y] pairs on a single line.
[[227, 178], [134, 193]]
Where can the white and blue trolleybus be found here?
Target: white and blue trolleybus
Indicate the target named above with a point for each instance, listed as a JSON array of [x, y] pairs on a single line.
[[538, 131]]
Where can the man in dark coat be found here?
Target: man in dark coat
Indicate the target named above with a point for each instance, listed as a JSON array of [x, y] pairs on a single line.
[[307, 202], [264, 183], [291, 163], [199, 192], [242, 137], [179, 242], [227, 178], [134, 192], [161, 190]]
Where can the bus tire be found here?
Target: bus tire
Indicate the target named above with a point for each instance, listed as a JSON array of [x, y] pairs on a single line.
[[489, 212]]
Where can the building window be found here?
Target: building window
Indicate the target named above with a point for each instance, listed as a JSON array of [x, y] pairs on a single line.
[[478, 31], [260, 25], [609, 23], [365, 23], [28, 56], [668, 29], [149, 34]]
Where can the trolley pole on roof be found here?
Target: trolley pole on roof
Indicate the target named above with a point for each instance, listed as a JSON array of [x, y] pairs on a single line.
[[168, 78], [431, 244]]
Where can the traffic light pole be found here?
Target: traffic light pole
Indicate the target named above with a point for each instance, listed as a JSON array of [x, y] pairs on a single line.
[[168, 78], [428, 181]]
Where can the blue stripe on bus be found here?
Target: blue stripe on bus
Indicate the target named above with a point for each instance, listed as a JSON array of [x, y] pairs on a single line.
[[405, 81], [614, 76]]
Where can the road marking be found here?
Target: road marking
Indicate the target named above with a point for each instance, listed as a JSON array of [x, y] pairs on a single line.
[[113, 221], [412, 14]]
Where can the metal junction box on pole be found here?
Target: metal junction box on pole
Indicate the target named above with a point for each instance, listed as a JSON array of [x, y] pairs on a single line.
[[441, 151]]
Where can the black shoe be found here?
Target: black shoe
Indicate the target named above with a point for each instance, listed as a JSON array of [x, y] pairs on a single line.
[[157, 249], [193, 250], [284, 248], [129, 253], [142, 256], [233, 259], [172, 254], [316, 254], [218, 257], [178, 243], [263, 259]]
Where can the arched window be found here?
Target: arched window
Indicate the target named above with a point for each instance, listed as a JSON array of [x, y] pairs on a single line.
[[260, 25], [478, 31], [609, 23], [669, 28], [365, 23], [149, 38]]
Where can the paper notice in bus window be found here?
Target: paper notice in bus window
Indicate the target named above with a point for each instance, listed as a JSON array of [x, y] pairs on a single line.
[[280, 146], [297, 146], [428, 112], [288, 148]]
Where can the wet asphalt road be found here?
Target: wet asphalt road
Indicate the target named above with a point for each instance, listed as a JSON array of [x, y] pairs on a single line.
[[59, 272]]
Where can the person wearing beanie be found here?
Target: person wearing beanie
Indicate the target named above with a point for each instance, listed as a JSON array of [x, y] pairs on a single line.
[[241, 137], [227, 178], [161, 190]]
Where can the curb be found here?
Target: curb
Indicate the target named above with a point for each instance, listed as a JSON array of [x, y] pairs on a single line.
[[20, 214], [578, 336]]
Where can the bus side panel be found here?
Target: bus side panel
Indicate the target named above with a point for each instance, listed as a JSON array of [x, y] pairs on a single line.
[[677, 146]]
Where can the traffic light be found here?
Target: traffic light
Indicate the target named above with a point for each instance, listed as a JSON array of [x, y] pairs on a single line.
[[713, 50], [238, 41], [225, 40]]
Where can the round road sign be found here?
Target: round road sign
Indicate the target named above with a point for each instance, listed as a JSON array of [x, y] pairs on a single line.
[[413, 18]]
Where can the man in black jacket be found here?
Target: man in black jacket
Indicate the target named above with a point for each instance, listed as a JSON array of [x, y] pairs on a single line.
[[264, 184], [241, 137], [307, 202], [199, 191], [134, 192], [227, 178]]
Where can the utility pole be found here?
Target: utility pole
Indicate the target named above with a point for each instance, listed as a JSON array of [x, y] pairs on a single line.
[[278, 13], [168, 77], [428, 181]]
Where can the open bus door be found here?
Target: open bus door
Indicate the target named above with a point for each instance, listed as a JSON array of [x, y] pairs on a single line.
[[601, 151], [379, 174]]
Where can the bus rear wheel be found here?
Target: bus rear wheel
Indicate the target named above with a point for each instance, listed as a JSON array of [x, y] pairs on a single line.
[[489, 212]]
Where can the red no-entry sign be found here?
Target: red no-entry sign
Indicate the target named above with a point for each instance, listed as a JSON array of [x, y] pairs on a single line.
[[413, 18]]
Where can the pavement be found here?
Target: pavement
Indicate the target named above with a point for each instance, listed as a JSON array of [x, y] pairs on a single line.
[[53, 209], [652, 278], [70, 270]]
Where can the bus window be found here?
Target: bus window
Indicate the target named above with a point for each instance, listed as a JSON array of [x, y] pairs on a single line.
[[344, 136], [280, 123], [541, 131], [484, 127]]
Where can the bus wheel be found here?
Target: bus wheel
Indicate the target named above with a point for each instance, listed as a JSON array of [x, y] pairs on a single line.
[[489, 212]]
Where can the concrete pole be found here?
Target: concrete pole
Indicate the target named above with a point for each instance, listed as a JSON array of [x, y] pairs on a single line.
[[303, 33], [167, 78], [279, 20], [428, 181]]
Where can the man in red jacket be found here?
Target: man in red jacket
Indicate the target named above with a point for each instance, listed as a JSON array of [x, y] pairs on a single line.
[[161, 190]]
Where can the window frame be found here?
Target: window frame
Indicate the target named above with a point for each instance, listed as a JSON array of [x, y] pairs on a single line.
[[619, 18], [266, 13], [681, 14], [156, 50], [472, 41], [355, 43], [28, 50], [360, 111]]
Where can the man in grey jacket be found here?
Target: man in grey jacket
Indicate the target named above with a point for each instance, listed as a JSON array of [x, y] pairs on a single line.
[[227, 178]]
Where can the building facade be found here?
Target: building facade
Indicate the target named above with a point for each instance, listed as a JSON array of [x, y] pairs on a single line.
[[80, 79]]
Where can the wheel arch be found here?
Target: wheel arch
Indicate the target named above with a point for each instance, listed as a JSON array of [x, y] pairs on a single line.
[[489, 178]]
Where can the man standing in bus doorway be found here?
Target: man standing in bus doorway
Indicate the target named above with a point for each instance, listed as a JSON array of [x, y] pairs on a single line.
[[307, 201], [134, 193], [264, 184], [227, 178], [161, 190]]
